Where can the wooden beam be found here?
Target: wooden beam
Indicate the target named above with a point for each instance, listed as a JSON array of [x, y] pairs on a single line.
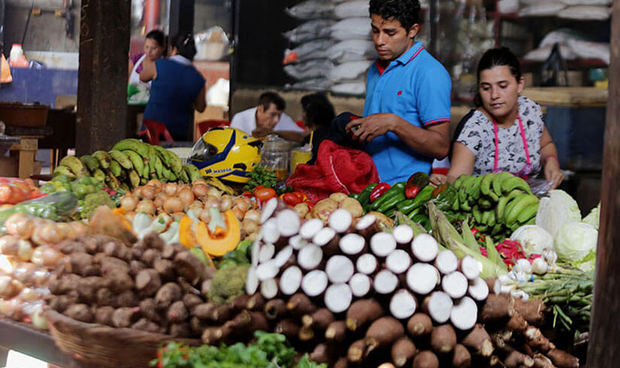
[[604, 346], [102, 76]]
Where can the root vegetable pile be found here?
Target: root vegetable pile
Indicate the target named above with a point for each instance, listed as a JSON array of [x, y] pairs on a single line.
[[151, 286], [384, 298]]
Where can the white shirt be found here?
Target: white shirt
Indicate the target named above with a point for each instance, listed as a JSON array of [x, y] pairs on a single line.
[[246, 121]]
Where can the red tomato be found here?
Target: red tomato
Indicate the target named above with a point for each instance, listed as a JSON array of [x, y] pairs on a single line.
[[264, 194], [291, 199]]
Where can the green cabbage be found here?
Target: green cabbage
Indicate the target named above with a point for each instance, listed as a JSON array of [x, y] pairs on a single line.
[[555, 210], [575, 241], [593, 216], [533, 238]]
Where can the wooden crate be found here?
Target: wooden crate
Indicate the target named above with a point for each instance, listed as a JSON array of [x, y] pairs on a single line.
[[21, 115]]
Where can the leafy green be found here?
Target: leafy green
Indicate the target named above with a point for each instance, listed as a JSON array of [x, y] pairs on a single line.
[[228, 283], [269, 351], [261, 176]]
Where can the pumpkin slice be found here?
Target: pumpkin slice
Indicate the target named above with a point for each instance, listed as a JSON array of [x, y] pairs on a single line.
[[186, 234], [219, 245]]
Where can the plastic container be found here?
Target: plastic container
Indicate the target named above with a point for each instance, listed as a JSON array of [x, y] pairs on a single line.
[[275, 156], [300, 155], [17, 58]]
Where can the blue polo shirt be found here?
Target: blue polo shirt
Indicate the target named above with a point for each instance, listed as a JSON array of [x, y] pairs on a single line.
[[415, 87]]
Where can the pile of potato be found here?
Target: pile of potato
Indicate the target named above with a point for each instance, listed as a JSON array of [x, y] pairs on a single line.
[[151, 286]]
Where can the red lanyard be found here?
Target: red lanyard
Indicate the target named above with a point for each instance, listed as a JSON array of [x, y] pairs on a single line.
[[527, 152]]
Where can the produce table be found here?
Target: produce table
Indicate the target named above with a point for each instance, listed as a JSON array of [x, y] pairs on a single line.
[[25, 339]]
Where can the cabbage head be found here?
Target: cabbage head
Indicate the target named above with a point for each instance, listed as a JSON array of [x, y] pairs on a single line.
[[575, 241], [555, 210], [533, 238], [593, 217]]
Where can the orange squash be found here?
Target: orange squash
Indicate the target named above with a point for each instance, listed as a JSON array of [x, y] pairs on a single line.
[[186, 234], [219, 244]]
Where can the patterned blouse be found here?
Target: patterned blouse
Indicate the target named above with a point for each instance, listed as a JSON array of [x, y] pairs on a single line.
[[477, 135]]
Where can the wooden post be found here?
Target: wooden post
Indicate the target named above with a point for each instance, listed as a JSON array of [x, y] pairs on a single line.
[[102, 76], [604, 346]]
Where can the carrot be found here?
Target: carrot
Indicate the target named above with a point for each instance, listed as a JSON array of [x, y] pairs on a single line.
[[403, 351], [443, 339], [363, 312]]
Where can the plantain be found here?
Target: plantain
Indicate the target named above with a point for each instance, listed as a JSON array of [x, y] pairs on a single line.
[[131, 144], [134, 179], [527, 213], [90, 162], [515, 183], [99, 175], [184, 176], [496, 229], [125, 187], [494, 197], [520, 203], [136, 160], [122, 159], [473, 191], [158, 165], [485, 217], [458, 182], [217, 183], [112, 181], [498, 181], [64, 170], [485, 185], [192, 173], [75, 165], [485, 203], [477, 214], [170, 159], [143, 180], [491, 220], [115, 168], [146, 170], [103, 157]]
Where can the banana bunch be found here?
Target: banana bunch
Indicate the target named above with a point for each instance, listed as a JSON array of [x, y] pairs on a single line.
[[499, 203], [129, 164]]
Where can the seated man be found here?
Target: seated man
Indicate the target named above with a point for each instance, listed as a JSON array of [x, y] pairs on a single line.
[[268, 118]]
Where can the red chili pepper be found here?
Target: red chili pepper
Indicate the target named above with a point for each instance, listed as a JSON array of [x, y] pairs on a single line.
[[484, 252], [411, 192], [378, 191]]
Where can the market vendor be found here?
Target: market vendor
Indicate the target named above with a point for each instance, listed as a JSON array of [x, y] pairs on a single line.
[[177, 89], [506, 131], [268, 117], [154, 48], [407, 107]]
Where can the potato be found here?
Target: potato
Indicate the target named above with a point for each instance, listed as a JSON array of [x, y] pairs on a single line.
[[338, 197], [353, 206], [382, 219], [323, 208], [302, 209]]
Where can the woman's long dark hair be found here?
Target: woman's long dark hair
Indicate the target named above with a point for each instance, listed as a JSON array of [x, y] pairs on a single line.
[[497, 57], [184, 43], [319, 111]]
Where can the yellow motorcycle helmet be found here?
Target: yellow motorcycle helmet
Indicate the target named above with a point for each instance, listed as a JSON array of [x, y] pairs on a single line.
[[226, 153]]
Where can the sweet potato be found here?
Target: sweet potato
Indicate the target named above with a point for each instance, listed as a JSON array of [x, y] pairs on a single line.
[[383, 332], [167, 294], [443, 339], [497, 307], [203, 311], [180, 330], [425, 359], [148, 308], [105, 297], [79, 312], [531, 310], [275, 309], [356, 352], [479, 341], [135, 267], [191, 300], [362, 312], [126, 299], [419, 324], [322, 354], [119, 281], [319, 320], [299, 304], [165, 267], [288, 328], [461, 357], [403, 351]]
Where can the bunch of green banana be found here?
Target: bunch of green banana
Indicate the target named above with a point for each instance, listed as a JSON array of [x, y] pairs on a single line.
[[129, 164], [499, 203]]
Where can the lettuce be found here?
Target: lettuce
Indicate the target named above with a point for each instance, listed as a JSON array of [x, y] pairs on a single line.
[[555, 210], [575, 241]]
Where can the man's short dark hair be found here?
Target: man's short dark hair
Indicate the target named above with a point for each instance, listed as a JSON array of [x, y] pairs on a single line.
[[268, 98], [407, 12]]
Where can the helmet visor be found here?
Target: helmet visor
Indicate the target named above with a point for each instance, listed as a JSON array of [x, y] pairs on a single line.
[[203, 151]]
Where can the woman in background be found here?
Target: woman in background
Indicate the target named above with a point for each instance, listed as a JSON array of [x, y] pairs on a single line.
[[154, 48], [318, 114], [177, 89]]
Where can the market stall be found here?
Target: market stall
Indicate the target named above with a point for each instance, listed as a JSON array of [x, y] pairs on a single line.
[[129, 250]]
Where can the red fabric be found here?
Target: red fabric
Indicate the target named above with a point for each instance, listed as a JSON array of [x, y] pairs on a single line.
[[155, 129], [205, 125], [337, 169]]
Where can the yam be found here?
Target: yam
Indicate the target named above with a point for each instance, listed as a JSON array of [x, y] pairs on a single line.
[[119, 281], [150, 256], [110, 265], [191, 300], [105, 297], [79, 312], [479, 341], [288, 328], [203, 311], [403, 351], [165, 268], [516, 359], [63, 284], [177, 312], [103, 315], [144, 324], [461, 357], [356, 352], [443, 339], [78, 263], [126, 299], [167, 294], [180, 330], [322, 354], [336, 331], [148, 309], [319, 320], [148, 282], [425, 359], [152, 240], [362, 312], [189, 267], [531, 310], [125, 316], [497, 307], [275, 308], [299, 304], [419, 325], [135, 267], [384, 332]]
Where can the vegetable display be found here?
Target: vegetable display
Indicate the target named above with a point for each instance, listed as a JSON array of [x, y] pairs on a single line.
[[58, 206], [14, 190]]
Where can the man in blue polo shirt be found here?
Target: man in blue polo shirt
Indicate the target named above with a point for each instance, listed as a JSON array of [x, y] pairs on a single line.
[[407, 96]]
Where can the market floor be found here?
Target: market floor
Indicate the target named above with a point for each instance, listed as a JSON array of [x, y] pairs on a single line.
[[19, 360]]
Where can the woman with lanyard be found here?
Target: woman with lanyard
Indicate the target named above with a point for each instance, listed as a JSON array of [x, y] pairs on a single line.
[[506, 132]]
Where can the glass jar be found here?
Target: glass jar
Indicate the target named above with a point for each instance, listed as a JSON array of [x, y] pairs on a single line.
[[275, 156], [300, 155]]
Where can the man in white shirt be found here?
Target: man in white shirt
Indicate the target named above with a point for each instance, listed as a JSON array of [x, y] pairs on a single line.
[[268, 117]]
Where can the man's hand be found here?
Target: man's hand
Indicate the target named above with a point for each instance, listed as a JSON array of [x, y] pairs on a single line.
[[261, 132], [366, 129]]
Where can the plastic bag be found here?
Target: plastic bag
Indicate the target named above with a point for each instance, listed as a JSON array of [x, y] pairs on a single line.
[[539, 186], [217, 95], [351, 29], [586, 13], [309, 69], [349, 70], [349, 9], [311, 30], [542, 9], [311, 9], [352, 50]]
